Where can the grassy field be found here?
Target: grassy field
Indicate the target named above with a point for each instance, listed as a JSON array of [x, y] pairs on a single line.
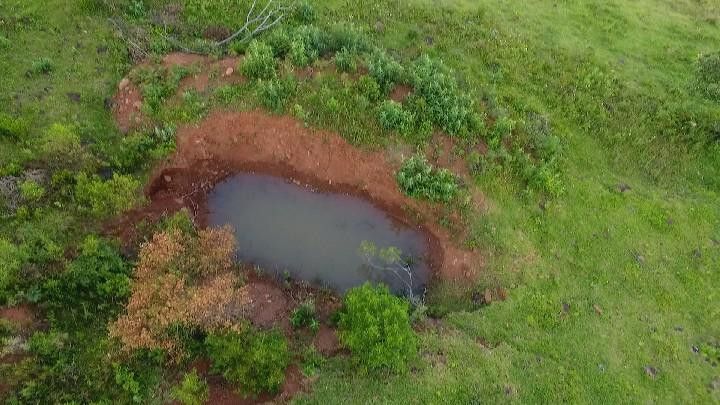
[[613, 284]]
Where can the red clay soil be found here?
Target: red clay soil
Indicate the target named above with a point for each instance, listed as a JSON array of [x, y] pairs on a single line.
[[22, 316], [326, 341], [230, 142], [400, 92]]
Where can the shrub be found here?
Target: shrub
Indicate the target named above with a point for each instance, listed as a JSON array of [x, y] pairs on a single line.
[[60, 146], [304, 12], [256, 360], [449, 108], [368, 87], [308, 44], [375, 326], [31, 191], [41, 66], [417, 178], [11, 127], [92, 286], [342, 36], [274, 94], [193, 390], [393, 117], [157, 84], [280, 39], [502, 129], [141, 149], [259, 62], [385, 70], [106, 198], [304, 316], [10, 262], [707, 73], [345, 60]]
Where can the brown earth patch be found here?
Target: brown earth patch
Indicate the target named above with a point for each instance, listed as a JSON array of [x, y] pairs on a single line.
[[400, 92], [127, 105], [22, 315], [326, 341]]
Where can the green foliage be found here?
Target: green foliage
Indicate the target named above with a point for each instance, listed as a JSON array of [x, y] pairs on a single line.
[[10, 263], [126, 380], [259, 62], [707, 75], [418, 178], [369, 88], [12, 128], [346, 37], [254, 359], [141, 149], [31, 192], [92, 287], [41, 65], [60, 146], [449, 108], [375, 326], [193, 390], [157, 84], [201, 14], [106, 198], [386, 71], [304, 12], [345, 60], [308, 43], [274, 94], [393, 117], [304, 316], [502, 129]]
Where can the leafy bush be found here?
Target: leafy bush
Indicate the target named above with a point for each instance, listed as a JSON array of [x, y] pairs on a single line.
[[106, 198], [308, 44], [259, 62], [707, 74], [343, 36], [256, 360], [157, 84], [393, 117], [41, 66], [280, 39], [385, 70], [10, 262], [141, 149], [60, 146], [369, 88], [448, 107], [93, 286], [31, 191], [193, 390], [304, 12], [345, 60], [200, 14], [304, 316], [11, 127], [417, 178], [274, 94], [375, 326], [503, 128]]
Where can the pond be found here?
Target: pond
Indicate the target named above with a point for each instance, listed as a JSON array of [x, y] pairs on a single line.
[[289, 229]]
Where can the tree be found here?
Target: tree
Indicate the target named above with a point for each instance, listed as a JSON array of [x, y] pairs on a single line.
[[390, 260]]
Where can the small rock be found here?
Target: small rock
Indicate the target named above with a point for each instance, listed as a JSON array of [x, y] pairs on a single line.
[[229, 71], [597, 309], [565, 307], [679, 328], [714, 384], [695, 349], [137, 104], [697, 253], [429, 40], [639, 258], [669, 221], [167, 178], [379, 26], [622, 187], [501, 293], [475, 297], [509, 390], [123, 83], [651, 371], [74, 97], [102, 49], [108, 103]]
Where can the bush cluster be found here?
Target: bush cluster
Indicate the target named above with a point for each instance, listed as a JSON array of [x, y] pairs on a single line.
[[157, 84], [707, 74], [259, 62], [386, 71], [375, 326], [393, 117], [304, 317], [274, 94], [192, 390], [255, 360], [10, 263], [106, 198], [60, 147], [418, 178], [12, 127], [448, 107]]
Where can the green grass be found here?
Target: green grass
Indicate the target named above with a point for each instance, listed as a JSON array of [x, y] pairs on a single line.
[[614, 80]]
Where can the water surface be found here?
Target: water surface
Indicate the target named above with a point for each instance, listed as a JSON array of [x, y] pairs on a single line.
[[313, 236]]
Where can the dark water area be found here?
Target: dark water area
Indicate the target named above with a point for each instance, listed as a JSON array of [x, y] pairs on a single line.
[[286, 228]]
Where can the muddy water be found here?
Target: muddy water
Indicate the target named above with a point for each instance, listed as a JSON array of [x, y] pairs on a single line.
[[290, 229]]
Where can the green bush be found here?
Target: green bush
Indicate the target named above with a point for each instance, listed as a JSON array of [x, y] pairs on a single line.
[[707, 74], [106, 198], [385, 70], [193, 390], [343, 36], [308, 44], [345, 61], [280, 39], [502, 129], [93, 286], [259, 62], [304, 12], [449, 108], [41, 66], [60, 146], [375, 326], [157, 84], [201, 14], [417, 178], [11, 127], [10, 262], [369, 88], [304, 316], [253, 359], [274, 94], [139, 150], [31, 191], [393, 117]]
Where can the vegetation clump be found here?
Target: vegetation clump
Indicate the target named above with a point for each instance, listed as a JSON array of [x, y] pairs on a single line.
[[255, 360], [106, 198], [192, 390], [375, 326], [259, 62], [708, 75], [418, 178]]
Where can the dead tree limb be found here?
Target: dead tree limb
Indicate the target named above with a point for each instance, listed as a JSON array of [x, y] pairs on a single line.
[[265, 19]]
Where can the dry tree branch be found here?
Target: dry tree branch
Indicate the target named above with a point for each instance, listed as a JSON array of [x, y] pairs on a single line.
[[268, 17]]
